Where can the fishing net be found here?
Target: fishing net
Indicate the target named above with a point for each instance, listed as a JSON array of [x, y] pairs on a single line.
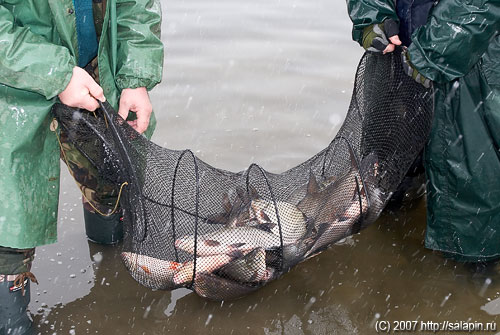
[[225, 234]]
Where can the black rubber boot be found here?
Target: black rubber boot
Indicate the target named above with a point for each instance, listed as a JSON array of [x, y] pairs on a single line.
[[412, 187], [103, 229], [14, 319]]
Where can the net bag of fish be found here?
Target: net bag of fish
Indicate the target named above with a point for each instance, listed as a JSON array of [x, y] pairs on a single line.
[[225, 234]]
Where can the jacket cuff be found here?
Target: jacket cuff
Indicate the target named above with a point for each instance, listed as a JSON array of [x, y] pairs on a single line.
[[123, 82]]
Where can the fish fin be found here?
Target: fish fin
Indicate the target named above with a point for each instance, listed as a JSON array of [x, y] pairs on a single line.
[[253, 192], [241, 194], [369, 165], [343, 217], [211, 243], [267, 227], [238, 203], [255, 208], [312, 254], [254, 276], [330, 180], [312, 185], [237, 245], [265, 218], [242, 217], [226, 203], [175, 265], [218, 219], [236, 253], [322, 228], [309, 226]]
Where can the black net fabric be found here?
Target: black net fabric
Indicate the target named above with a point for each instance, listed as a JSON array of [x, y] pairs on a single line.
[[226, 234]]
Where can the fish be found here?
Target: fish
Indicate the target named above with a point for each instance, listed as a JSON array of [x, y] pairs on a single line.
[[328, 204], [249, 268], [283, 259], [211, 286], [208, 264], [294, 253], [230, 241], [292, 220], [371, 192], [328, 234], [236, 213], [151, 272], [347, 204], [300, 192]]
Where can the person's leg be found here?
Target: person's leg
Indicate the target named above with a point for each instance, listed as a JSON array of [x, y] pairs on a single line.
[[103, 222], [462, 167], [15, 276]]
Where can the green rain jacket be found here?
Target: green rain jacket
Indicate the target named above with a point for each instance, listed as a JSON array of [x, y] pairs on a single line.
[[459, 49], [38, 50]]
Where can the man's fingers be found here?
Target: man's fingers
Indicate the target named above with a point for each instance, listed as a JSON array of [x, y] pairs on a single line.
[[136, 100], [389, 48], [123, 109], [133, 124], [96, 91], [142, 122], [89, 103], [395, 40]]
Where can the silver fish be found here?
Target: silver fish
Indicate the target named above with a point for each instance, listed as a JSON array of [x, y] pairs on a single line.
[[236, 213], [328, 204], [208, 264], [249, 268], [292, 220], [359, 209], [375, 197], [211, 286], [328, 234], [294, 253], [151, 272], [230, 241]]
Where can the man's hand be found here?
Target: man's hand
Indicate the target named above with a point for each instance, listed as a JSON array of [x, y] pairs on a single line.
[[382, 37], [136, 100], [82, 91]]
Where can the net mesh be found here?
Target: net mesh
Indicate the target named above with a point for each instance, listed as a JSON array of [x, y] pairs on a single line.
[[225, 234]]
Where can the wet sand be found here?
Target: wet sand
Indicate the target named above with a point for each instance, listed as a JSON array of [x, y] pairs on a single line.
[[266, 82]]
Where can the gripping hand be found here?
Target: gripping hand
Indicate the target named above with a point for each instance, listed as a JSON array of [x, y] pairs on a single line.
[[381, 37]]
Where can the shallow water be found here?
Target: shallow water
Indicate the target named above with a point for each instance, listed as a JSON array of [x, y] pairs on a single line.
[[265, 81]]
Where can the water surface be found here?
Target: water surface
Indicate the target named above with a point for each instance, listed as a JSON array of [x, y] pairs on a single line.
[[264, 81]]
